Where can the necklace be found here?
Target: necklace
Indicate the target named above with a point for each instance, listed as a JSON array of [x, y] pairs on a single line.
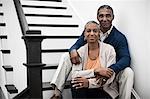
[[93, 54]]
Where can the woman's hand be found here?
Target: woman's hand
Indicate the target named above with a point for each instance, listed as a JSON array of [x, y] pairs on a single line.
[[105, 72], [80, 82]]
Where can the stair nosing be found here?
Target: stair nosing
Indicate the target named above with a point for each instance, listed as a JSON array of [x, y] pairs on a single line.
[[11, 88], [2, 24], [53, 25], [5, 51], [54, 50], [49, 87], [3, 36], [50, 66], [48, 0], [38, 6], [48, 15], [8, 68], [1, 13]]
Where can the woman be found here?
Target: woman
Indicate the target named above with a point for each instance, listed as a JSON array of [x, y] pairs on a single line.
[[92, 73]]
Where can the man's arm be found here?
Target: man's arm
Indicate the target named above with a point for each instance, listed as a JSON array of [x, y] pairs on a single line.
[[123, 58], [74, 56], [80, 42]]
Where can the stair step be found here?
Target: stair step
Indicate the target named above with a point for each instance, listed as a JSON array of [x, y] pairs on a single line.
[[39, 6], [3, 36], [43, 3], [48, 0], [47, 86], [1, 13], [2, 24], [53, 25], [11, 88], [8, 67], [56, 31], [5, 51], [50, 66], [54, 50], [48, 15]]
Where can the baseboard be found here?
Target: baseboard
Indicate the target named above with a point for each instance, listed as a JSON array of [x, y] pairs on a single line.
[[2, 94], [135, 94]]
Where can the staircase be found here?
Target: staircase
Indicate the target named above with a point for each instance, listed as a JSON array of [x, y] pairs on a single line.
[[50, 27]]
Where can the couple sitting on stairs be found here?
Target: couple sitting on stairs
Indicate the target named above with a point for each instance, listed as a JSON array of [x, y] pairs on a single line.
[[94, 65]]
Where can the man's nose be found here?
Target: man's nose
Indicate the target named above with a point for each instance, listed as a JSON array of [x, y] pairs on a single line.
[[104, 18]]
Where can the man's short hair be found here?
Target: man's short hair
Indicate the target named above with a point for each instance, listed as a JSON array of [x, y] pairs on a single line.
[[107, 7]]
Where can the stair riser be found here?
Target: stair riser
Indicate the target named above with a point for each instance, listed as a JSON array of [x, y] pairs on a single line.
[[51, 58], [59, 43], [6, 59], [47, 75], [9, 77], [4, 44], [57, 31]]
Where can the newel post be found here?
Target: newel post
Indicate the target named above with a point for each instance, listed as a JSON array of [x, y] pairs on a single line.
[[34, 66]]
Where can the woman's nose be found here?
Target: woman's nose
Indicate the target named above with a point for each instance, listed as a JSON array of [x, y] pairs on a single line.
[[92, 33]]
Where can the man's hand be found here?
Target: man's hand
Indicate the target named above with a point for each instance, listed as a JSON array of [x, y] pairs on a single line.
[[74, 57], [105, 72], [80, 82]]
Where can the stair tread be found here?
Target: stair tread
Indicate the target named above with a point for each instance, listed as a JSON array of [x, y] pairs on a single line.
[[2, 24], [11, 88], [5, 51], [8, 67], [39, 6], [3, 36], [50, 66], [42, 3], [47, 86], [1, 13], [53, 25]]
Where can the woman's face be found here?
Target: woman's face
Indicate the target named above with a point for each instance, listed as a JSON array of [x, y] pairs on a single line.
[[92, 33]]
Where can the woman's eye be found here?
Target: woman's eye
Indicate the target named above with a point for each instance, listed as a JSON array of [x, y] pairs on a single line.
[[88, 30]]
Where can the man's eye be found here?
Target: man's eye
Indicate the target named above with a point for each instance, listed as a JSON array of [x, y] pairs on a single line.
[[108, 15], [100, 16]]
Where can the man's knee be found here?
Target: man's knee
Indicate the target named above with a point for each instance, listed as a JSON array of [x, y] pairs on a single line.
[[128, 73], [65, 56]]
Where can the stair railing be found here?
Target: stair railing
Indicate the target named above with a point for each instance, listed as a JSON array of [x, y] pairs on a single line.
[[33, 40], [33, 53]]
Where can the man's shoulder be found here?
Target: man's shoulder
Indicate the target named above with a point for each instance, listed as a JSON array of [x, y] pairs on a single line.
[[117, 34], [116, 31]]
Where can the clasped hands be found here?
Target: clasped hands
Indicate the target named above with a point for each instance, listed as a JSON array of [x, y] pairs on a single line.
[[102, 74]]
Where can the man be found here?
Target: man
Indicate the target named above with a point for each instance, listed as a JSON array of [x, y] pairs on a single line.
[[115, 38]]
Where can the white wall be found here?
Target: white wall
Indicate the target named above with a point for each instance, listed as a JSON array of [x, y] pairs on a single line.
[[131, 18], [16, 45]]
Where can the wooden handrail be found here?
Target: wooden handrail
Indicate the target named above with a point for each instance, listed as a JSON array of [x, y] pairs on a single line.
[[21, 17]]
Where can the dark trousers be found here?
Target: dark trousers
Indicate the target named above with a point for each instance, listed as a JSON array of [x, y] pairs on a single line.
[[85, 93]]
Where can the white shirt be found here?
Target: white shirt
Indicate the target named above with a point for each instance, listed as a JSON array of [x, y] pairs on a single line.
[[103, 36]]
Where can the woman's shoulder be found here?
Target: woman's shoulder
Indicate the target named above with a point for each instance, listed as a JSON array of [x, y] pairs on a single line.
[[82, 48], [107, 46]]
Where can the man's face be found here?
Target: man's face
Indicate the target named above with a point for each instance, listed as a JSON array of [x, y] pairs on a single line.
[[105, 18]]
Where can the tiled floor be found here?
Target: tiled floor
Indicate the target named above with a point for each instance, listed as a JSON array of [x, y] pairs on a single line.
[[1, 94]]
